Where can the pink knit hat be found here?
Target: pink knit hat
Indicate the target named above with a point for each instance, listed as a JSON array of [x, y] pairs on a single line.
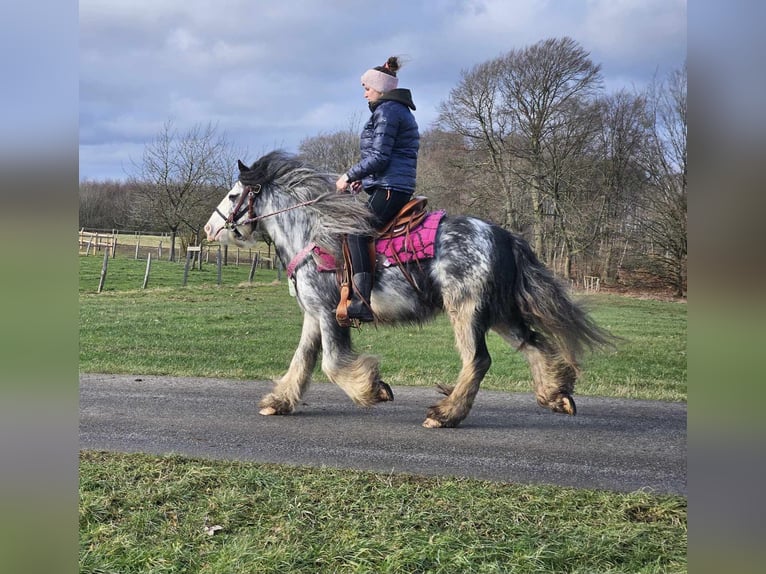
[[380, 78]]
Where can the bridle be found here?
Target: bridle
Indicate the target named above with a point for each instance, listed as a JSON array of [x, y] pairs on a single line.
[[249, 193]]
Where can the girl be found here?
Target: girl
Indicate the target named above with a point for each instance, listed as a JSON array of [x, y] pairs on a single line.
[[389, 153]]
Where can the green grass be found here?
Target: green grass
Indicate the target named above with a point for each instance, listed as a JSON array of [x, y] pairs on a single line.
[[147, 514], [249, 331]]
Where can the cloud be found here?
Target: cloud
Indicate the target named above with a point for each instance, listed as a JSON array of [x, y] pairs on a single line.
[[635, 30], [278, 72]]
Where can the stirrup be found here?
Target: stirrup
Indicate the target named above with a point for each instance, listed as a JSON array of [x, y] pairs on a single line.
[[345, 320], [361, 312]]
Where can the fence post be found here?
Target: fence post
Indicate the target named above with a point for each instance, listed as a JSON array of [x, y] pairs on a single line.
[[102, 279], [148, 266], [186, 267], [219, 261], [253, 263], [138, 243]]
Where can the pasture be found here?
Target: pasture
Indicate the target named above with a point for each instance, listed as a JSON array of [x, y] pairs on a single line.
[[169, 330], [141, 513]]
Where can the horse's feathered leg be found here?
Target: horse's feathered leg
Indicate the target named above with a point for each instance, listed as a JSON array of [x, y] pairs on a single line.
[[554, 330], [290, 387], [470, 331], [553, 376], [357, 375]]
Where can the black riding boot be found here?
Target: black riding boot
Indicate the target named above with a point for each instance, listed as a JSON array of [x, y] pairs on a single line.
[[359, 307]]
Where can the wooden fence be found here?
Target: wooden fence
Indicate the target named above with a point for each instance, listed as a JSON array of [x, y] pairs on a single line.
[[95, 242], [150, 246], [591, 283], [140, 245]]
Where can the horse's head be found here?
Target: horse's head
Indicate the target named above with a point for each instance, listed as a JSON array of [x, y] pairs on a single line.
[[293, 199], [231, 222]]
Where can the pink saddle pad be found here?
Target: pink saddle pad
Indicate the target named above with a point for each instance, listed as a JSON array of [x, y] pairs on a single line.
[[416, 245]]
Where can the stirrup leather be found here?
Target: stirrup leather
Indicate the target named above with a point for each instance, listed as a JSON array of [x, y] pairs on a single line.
[[346, 285]]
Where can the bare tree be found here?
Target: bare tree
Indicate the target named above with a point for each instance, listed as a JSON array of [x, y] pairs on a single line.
[[666, 167], [474, 111], [105, 204], [619, 172], [448, 175], [530, 112], [544, 89], [181, 175]]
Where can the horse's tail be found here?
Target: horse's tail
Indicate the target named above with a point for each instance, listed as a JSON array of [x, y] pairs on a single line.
[[547, 308]]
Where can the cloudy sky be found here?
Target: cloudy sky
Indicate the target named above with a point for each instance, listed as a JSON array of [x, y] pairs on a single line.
[[269, 73]]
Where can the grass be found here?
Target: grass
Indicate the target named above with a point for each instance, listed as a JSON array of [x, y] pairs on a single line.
[[141, 513], [148, 514], [249, 331], [127, 274]]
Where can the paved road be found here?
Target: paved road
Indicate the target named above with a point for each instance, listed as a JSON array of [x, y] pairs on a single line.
[[611, 444]]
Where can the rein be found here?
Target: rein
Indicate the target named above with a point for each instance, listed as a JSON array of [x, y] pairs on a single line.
[[249, 193], [253, 219]]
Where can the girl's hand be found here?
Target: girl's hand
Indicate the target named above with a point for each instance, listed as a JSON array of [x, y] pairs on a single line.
[[341, 184]]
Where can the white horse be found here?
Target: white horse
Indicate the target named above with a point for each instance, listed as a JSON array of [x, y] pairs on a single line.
[[483, 276]]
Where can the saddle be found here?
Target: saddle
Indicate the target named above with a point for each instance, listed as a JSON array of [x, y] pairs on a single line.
[[408, 218]]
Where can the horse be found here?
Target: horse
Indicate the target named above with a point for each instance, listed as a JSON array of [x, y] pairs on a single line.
[[483, 276]]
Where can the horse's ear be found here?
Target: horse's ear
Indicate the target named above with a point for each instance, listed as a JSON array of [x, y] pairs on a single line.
[[242, 167]]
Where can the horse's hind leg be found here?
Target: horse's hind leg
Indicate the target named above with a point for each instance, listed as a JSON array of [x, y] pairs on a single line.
[[289, 388], [470, 333], [357, 375], [553, 376]]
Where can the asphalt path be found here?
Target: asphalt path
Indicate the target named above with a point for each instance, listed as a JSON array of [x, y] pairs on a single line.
[[612, 444]]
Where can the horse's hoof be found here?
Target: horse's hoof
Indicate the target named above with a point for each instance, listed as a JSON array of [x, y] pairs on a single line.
[[384, 392], [565, 404], [430, 423], [268, 411]]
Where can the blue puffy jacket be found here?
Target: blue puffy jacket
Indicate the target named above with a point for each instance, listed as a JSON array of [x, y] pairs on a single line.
[[389, 144]]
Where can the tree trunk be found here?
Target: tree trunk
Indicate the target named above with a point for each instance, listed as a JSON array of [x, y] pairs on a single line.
[[173, 233], [538, 223]]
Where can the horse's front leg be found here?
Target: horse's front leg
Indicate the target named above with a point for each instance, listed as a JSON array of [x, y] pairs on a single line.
[[357, 375], [289, 389]]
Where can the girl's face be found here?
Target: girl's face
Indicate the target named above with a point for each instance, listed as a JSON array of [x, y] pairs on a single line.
[[371, 95]]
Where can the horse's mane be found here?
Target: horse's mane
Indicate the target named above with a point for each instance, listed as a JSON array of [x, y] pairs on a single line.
[[336, 213]]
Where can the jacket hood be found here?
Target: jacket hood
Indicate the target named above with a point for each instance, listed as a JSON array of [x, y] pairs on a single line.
[[401, 95]]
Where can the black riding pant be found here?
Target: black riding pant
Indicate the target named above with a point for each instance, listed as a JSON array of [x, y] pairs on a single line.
[[384, 204]]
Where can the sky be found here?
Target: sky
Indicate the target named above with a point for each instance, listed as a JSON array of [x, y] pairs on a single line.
[[268, 74]]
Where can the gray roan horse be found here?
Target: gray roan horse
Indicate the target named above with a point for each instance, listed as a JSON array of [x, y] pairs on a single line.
[[483, 276]]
